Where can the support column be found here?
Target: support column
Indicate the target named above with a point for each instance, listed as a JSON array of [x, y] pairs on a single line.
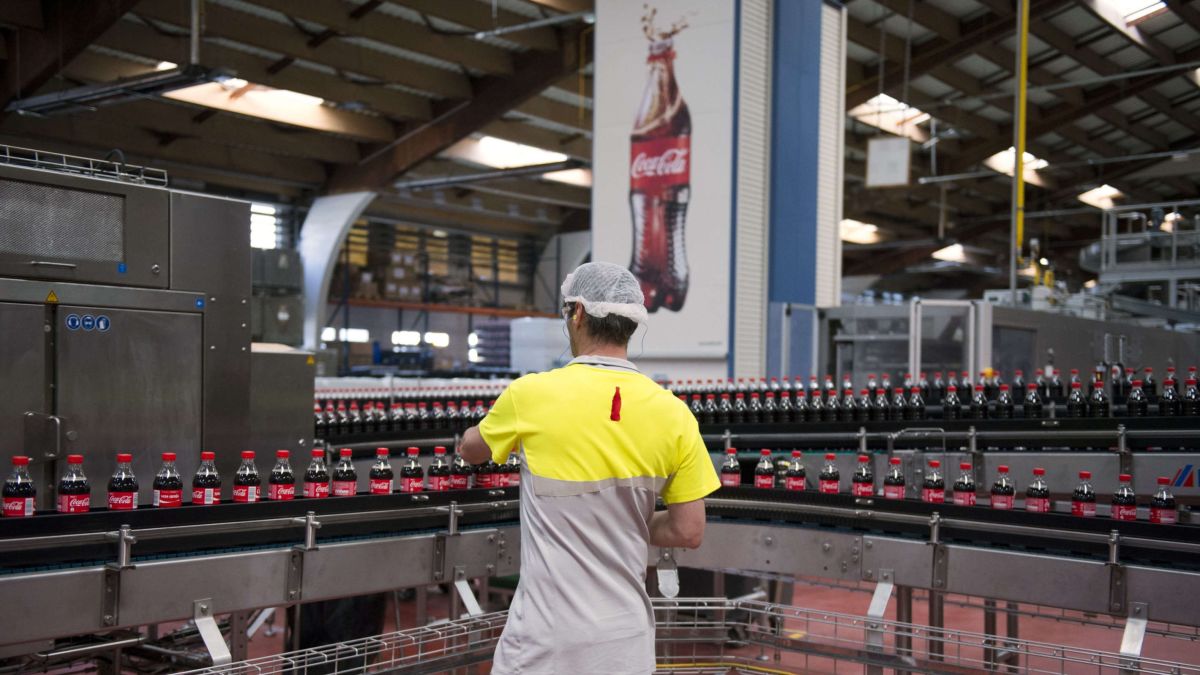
[[324, 229]]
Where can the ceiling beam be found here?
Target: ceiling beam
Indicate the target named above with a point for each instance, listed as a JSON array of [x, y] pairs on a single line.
[[1132, 34], [22, 14], [535, 71], [436, 217], [36, 55], [141, 40], [565, 6], [576, 146], [1189, 14], [542, 191], [559, 113], [455, 201], [479, 16]]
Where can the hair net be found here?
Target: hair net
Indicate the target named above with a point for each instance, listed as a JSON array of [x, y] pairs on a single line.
[[603, 289]]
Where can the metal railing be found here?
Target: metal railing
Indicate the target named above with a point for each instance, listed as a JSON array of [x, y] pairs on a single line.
[[82, 166]]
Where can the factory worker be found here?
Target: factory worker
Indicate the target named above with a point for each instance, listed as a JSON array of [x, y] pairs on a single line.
[[600, 442]]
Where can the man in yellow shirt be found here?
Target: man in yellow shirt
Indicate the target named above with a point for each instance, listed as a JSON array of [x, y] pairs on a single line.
[[600, 442]]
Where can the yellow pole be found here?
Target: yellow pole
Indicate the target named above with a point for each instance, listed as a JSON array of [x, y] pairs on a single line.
[[1018, 196]]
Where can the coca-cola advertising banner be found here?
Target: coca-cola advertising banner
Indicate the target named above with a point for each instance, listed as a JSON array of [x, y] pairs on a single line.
[[662, 163]]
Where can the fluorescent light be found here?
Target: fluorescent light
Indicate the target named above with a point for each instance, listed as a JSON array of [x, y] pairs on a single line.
[[345, 335], [501, 154], [262, 230], [887, 113], [328, 334], [951, 253], [1101, 197], [439, 340], [166, 65], [579, 177], [1043, 262], [406, 338], [473, 339], [264, 209], [858, 232], [473, 356], [1137, 11]]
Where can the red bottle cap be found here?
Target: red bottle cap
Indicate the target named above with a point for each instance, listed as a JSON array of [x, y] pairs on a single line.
[[1019, 373], [412, 452], [1191, 382], [345, 452], [247, 454], [952, 388], [916, 390], [1004, 387], [965, 466], [879, 391], [382, 452], [439, 450], [741, 396], [731, 451], [1137, 383], [898, 390], [770, 394], [979, 387], [1124, 478], [166, 457], [1085, 475], [317, 452], [863, 458], [1074, 371], [765, 452], [1162, 480], [74, 459], [1148, 370], [1076, 385], [1032, 386], [20, 460], [724, 397], [712, 397], [1039, 471], [933, 463], [207, 456], [830, 456], [282, 454], [895, 461], [754, 395], [1002, 468], [795, 453]]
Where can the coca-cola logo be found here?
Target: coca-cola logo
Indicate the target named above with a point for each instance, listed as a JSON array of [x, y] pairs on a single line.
[[14, 507], [672, 162], [77, 502], [119, 500]]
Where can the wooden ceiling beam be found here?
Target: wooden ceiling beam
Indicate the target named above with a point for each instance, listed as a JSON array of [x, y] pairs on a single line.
[[576, 146], [565, 6], [560, 113], [479, 16], [137, 38]]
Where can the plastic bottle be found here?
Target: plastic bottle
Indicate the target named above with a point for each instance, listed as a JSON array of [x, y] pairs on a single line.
[[938, 391], [1004, 404], [893, 482], [345, 477], [380, 479], [1169, 402], [731, 470], [764, 471], [830, 480], [899, 405], [206, 484], [849, 407], [1083, 499], [881, 408], [1149, 384], [1163, 510], [709, 411], [1124, 501], [1003, 490], [915, 410], [833, 408], [1136, 404], [740, 410], [770, 409], [19, 492], [281, 484], [794, 479], [933, 490], [247, 486], [1076, 407], [951, 406], [964, 487], [355, 419], [74, 491], [800, 410], [316, 478], [1018, 382], [439, 471], [1037, 495], [460, 473], [412, 476], [1054, 386], [512, 469], [862, 484], [1191, 398], [1032, 406], [754, 411], [318, 420], [979, 404], [724, 410], [816, 408], [1098, 405], [168, 486]]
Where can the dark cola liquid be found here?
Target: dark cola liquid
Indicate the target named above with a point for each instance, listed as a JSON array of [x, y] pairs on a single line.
[[964, 485], [418, 472], [73, 487], [436, 471], [282, 478], [203, 481], [1000, 489], [25, 489], [316, 475], [246, 478], [130, 485], [1037, 493], [379, 474], [345, 475]]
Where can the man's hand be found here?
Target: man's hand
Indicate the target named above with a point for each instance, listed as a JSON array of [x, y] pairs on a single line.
[[680, 526], [472, 448]]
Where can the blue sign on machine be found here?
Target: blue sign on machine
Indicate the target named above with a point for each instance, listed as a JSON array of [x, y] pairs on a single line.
[[103, 324], [72, 322], [88, 322]]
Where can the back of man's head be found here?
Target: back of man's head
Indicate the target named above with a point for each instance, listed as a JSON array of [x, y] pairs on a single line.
[[611, 299]]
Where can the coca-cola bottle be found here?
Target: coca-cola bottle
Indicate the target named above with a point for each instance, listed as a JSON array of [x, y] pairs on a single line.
[[247, 486], [1003, 490], [355, 419], [460, 473], [872, 382], [795, 476], [206, 484], [979, 404], [923, 385], [1098, 400], [724, 410], [893, 482], [951, 406], [697, 408], [849, 411], [281, 484], [1037, 495], [1004, 404], [881, 409], [439, 471], [964, 487], [764, 471], [938, 390], [1149, 384], [379, 480], [933, 490], [659, 177], [1054, 386], [437, 418], [709, 413], [731, 470], [123, 487], [316, 477], [485, 475], [800, 410], [345, 478], [512, 470], [1032, 407], [862, 483], [829, 482], [343, 419], [915, 410], [412, 476], [754, 411], [1124, 500], [318, 420], [1136, 404], [1162, 507], [19, 493], [1169, 402], [1083, 499], [74, 492], [1076, 406], [168, 486], [899, 405], [1191, 398], [816, 408], [1018, 382], [770, 411]]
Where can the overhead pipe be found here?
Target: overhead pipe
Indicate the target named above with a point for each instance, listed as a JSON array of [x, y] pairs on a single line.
[[516, 172], [586, 17], [1017, 235], [194, 35]]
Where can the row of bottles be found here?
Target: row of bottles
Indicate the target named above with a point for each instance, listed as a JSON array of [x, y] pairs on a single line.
[[333, 420], [74, 490], [792, 475]]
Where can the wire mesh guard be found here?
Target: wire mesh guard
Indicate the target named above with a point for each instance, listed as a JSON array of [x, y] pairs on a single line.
[[701, 636]]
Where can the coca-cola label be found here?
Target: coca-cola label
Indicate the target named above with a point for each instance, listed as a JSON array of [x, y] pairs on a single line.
[[794, 483], [1037, 505], [281, 491], [1124, 512], [344, 488], [1158, 515], [18, 507], [1083, 509], [439, 483], [74, 503], [514, 479], [933, 495], [317, 490], [499, 480], [381, 486], [764, 481], [893, 492], [162, 498], [660, 163], [731, 479], [964, 498], [459, 482], [244, 494], [828, 487], [205, 496], [862, 489], [1002, 502], [412, 485], [127, 501]]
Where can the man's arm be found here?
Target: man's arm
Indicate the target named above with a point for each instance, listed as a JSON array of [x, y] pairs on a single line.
[[680, 526], [472, 448]]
